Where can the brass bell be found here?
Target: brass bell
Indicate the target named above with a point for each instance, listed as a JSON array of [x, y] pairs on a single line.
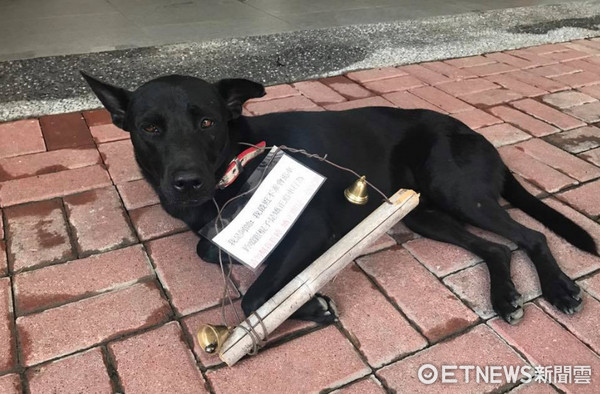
[[211, 338], [357, 192]]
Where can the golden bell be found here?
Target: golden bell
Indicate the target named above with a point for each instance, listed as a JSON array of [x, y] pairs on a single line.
[[211, 338], [357, 192]]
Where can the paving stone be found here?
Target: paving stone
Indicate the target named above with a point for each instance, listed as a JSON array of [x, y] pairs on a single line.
[[97, 117], [535, 127], [81, 373], [568, 99], [585, 198], [584, 222], [10, 384], [382, 243], [153, 222], [503, 134], [369, 385], [565, 55], [472, 285], [107, 133], [424, 74], [442, 100], [419, 294], [65, 131], [276, 92], [548, 114], [346, 87], [98, 221], [534, 59], [534, 171], [544, 342], [120, 161], [515, 85], [408, 100], [192, 284], [553, 70], [375, 74], [37, 235], [559, 159], [579, 79], [294, 103], [593, 156], [582, 48], [589, 112], [448, 70], [294, 363], [593, 90], [43, 187], [591, 284], [470, 61], [7, 338], [58, 284], [491, 69], [491, 97], [137, 194], [376, 101], [405, 82], [478, 347], [47, 162], [401, 233], [79, 325], [534, 388], [547, 84], [319, 92], [20, 138], [530, 187], [157, 361], [476, 118], [462, 88], [439, 257], [361, 309], [511, 60], [3, 259]]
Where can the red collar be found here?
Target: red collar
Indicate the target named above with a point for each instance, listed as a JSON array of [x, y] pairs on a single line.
[[238, 163]]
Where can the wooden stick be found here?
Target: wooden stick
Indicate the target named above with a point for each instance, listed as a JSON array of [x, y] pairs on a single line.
[[304, 286]]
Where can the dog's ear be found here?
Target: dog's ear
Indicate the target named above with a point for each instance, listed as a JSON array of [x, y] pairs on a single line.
[[235, 92], [114, 99]]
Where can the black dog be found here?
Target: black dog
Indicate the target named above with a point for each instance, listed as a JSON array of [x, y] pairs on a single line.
[[185, 132]]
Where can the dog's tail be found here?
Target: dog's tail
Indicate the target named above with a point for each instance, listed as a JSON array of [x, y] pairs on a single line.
[[516, 194]]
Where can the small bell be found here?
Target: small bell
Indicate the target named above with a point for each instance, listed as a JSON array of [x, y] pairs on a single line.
[[357, 192], [211, 338]]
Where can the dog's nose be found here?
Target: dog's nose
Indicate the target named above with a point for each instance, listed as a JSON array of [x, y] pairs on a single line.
[[187, 181]]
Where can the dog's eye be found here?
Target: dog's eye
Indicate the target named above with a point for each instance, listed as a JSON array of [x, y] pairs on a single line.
[[206, 123], [150, 128]]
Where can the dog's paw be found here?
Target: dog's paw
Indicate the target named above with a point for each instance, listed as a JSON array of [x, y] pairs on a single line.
[[319, 309], [562, 292], [508, 303]]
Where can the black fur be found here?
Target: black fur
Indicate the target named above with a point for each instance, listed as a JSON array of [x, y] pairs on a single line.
[[185, 131]]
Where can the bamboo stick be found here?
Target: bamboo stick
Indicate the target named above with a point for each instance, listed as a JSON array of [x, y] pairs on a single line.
[[304, 286]]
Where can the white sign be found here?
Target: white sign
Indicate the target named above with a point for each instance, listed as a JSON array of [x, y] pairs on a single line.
[[270, 212]]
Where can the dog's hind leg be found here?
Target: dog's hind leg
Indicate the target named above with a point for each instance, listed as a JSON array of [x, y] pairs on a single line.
[[440, 226]]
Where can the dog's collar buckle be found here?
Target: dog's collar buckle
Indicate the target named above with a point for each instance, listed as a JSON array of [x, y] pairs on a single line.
[[237, 164]]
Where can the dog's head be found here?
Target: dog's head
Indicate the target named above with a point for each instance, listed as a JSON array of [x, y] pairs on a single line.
[[180, 130]]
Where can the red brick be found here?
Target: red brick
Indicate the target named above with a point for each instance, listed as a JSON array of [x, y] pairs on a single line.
[[544, 342], [449, 71], [576, 45], [277, 92], [157, 361], [375, 74], [589, 43], [503, 134], [98, 221], [193, 285], [408, 100], [401, 233], [10, 384], [353, 294], [533, 126], [381, 86], [534, 171], [576, 140], [347, 88], [7, 339], [470, 61], [534, 59], [382, 243], [534, 388], [511, 60], [376, 101], [369, 385], [294, 103], [591, 284], [472, 285], [579, 79], [419, 294], [42, 187], [424, 74], [97, 117], [66, 131], [294, 364], [120, 161], [548, 114], [585, 198], [587, 224], [593, 156], [440, 99], [479, 347], [593, 90], [37, 235], [47, 162], [243, 276], [564, 54], [589, 112], [3, 259], [108, 132], [461, 88], [80, 373], [439, 257], [547, 84], [567, 99], [530, 187], [583, 65], [58, 284], [213, 316], [553, 70], [137, 194], [79, 325], [515, 85], [491, 97], [153, 222], [20, 138], [491, 69], [318, 92], [476, 118], [559, 159]]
